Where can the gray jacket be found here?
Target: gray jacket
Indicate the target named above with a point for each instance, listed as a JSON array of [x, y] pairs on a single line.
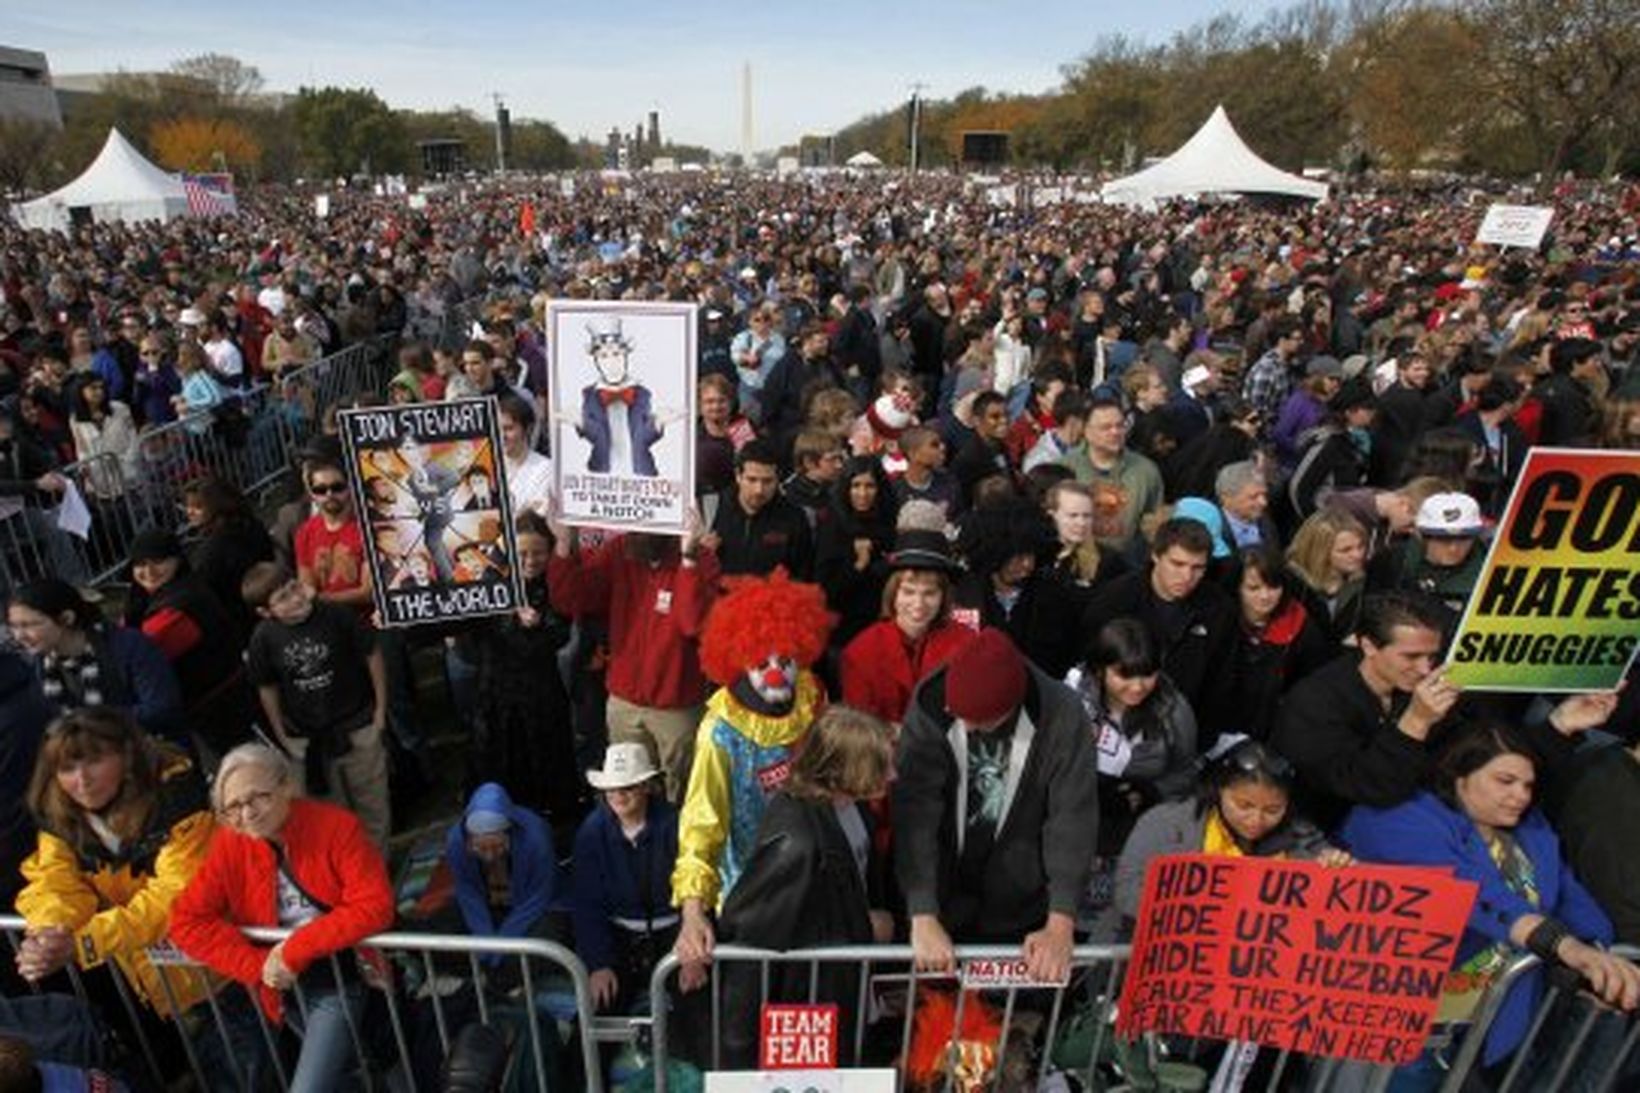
[[1177, 827]]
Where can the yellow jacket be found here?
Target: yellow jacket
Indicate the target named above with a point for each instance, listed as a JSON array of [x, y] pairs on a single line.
[[741, 758], [117, 905]]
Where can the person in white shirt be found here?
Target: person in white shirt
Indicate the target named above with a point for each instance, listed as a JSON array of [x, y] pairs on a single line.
[[529, 473]]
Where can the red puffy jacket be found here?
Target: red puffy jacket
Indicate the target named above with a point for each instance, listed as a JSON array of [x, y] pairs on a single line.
[[331, 859]]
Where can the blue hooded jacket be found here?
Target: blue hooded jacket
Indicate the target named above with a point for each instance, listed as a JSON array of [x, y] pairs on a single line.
[[534, 868], [1425, 831]]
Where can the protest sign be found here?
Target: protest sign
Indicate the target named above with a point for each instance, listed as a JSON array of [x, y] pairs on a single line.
[[1515, 225], [430, 488], [798, 1037], [1557, 603], [1347, 963], [623, 412]]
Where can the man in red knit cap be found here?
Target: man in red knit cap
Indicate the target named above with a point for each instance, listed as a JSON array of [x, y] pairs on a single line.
[[995, 809]]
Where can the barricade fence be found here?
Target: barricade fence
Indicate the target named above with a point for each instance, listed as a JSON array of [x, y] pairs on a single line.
[[251, 439], [402, 1009], [1072, 1027], [402, 1014]]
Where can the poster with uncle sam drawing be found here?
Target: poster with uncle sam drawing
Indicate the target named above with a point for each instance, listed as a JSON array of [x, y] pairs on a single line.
[[623, 412]]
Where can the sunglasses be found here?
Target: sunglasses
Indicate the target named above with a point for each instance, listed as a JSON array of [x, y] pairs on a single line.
[[1257, 759], [321, 489]]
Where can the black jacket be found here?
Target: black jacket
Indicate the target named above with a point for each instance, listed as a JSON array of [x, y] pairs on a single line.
[[1569, 416], [24, 714], [1044, 847], [1504, 466], [1595, 805], [1328, 462], [1197, 640], [1346, 746], [1042, 622], [801, 889], [777, 535], [855, 345], [1400, 421]]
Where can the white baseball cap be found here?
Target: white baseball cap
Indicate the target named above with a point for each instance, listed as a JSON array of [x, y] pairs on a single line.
[[1450, 516]]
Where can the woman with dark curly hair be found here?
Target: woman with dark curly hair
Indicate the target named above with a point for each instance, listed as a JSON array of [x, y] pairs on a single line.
[[1008, 547]]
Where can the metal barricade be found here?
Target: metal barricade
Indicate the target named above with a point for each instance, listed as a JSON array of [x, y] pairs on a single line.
[[1093, 991], [226, 1037], [251, 440], [1615, 1064], [1096, 976]]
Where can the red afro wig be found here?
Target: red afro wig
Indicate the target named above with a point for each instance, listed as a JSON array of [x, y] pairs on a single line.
[[759, 616]]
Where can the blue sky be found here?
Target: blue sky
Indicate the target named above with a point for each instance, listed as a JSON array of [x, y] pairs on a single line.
[[586, 66]]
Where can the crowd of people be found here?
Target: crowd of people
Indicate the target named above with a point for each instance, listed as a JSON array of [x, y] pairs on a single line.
[[1029, 544]]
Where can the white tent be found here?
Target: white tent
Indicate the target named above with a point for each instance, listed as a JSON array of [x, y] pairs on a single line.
[[863, 159], [120, 185], [1214, 161]]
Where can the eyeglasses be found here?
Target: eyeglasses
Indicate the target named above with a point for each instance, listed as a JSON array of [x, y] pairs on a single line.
[[256, 801], [321, 489]]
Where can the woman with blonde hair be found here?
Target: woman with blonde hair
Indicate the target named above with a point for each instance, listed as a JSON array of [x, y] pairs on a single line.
[[1328, 555], [123, 826], [1620, 424], [809, 880]]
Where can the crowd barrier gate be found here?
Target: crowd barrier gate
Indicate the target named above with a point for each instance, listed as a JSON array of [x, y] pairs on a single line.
[[1097, 976], [413, 956]]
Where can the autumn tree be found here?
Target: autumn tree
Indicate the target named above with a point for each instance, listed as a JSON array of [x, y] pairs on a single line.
[[1401, 68], [1561, 71], [203, 144]]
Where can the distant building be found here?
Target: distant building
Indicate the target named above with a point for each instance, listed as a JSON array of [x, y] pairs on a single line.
[[654, 130], [25, 87]]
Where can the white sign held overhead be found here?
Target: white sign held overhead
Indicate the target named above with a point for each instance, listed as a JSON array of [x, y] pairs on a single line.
[[1515, 225], [321, 205]]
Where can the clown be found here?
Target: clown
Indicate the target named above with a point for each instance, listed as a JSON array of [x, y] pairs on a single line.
[[617, 413], [758, 644]]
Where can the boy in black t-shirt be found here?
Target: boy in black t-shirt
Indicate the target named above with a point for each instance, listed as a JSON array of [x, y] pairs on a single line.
[[323, 687]]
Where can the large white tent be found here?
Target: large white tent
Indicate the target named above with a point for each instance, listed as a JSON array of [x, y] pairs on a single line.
[[863, 159], [1214, 161], [120, 185]]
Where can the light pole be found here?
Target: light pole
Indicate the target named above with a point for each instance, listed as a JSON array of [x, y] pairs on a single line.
[[916, 122]]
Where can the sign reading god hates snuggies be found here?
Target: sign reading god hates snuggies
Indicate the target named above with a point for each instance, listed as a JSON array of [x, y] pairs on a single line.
[[431, 491], [623, 413], [1557, 604]]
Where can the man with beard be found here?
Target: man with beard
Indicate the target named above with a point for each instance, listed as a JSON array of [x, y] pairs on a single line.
[[758, 645]]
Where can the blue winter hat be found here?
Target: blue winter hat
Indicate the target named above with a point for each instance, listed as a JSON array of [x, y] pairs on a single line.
[[1208, 515]]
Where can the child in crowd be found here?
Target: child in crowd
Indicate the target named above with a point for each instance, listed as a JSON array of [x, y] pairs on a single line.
[[323, 690]]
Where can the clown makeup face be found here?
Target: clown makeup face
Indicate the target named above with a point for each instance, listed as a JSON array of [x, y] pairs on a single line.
[[775, 680], [609, 357]]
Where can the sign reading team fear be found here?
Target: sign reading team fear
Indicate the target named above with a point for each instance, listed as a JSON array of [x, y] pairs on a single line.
[[431, 490], [798, 1037], [623, 413], [1557, 605], [1347, 963]]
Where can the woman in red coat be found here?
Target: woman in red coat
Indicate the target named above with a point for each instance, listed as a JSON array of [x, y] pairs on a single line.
[[303, 865], [886, 660]]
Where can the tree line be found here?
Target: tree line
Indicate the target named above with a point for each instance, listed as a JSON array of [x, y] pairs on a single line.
[[1503, 87], [209, 113]]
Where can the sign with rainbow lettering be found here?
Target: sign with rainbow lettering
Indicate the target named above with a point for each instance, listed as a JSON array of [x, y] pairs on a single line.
[[1557, 606]]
